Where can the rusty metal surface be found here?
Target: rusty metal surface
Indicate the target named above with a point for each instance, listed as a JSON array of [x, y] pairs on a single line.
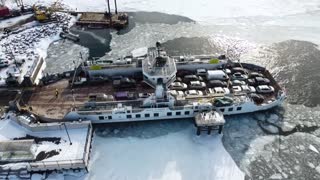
[[44, 101]]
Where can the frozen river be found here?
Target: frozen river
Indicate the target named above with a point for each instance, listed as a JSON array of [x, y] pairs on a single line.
[[279, 144]]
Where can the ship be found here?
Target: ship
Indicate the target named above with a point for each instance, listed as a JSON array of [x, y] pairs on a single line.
[[157, 86]]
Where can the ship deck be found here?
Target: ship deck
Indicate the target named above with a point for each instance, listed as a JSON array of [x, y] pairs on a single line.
[[45, 103]]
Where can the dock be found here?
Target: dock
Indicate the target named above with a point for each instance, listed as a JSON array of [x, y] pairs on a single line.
[[208, 121], [103, 20], [66, 146]]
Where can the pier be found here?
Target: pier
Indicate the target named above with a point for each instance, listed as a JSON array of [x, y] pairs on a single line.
[[103, 19], [208, 121], [67, 146]]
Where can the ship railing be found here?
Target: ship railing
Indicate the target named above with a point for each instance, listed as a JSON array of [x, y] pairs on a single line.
[[177, 108]]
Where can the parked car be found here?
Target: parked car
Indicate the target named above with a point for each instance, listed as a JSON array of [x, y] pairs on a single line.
[[183, 73], [236, 89], [227, 71], [178, 86], [124, 83], [4, 64], [239, 76], [223, 101], [194, 93], [252, 89], [217, 83], [97, 79], [201, 72], [256, 98], [189, 78], [251, 82], [226, 90], [178, 79], [238, 83], [100, 97], [262, 81], [177, 93], [144, 95], [239, 69], [245, 88], [124, 95], [197, 85], [265, 89], [255, 74], [248, 89], [219, 91], [217, 75]]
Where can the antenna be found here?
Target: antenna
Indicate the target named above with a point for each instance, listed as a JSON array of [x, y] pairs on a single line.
[[115, 5], [108, 2], [158, 45]]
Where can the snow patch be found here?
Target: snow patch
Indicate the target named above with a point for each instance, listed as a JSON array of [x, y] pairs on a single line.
[[13, 21], [286, 127], [276, 176], [318, 169], [139, 52]]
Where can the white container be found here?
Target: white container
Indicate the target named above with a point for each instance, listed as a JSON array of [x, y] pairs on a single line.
[[217, 75]]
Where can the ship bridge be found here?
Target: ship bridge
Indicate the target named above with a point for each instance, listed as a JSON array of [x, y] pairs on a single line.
[[159, 71], [158, 68]]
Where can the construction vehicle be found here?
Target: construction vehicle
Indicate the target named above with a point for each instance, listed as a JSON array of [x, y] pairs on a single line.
[[44, 13], [6, 13]]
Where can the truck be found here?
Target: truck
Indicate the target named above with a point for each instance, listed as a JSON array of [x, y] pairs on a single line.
[[216, 75], [6, 13]]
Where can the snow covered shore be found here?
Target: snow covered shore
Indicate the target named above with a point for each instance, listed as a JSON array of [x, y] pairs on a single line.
[[26, 45]]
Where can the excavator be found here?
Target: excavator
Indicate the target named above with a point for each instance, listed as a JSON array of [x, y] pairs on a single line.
[[44, 13]]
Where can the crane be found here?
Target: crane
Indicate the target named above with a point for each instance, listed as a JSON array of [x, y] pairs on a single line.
[[115, 5]]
